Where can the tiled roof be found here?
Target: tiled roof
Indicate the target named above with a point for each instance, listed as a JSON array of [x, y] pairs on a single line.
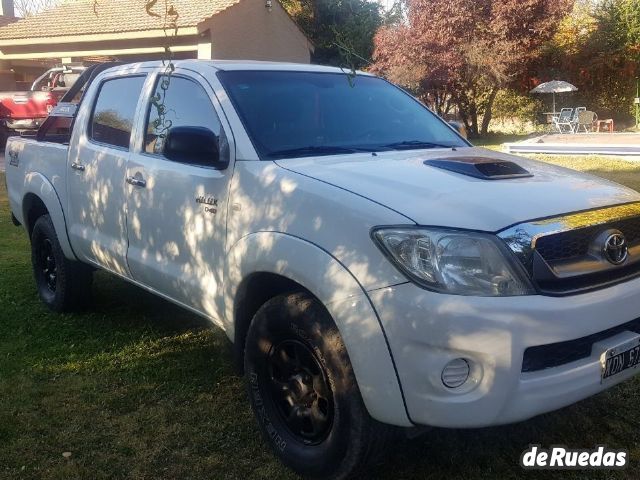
[[110, 16]]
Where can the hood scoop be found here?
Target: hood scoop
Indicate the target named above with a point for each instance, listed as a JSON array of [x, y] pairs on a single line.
[[482, 168]]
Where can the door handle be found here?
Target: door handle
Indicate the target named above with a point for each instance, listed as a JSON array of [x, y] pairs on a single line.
[[78, 166], [136, 182]]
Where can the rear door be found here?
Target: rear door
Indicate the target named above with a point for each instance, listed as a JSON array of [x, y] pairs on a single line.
[[97, 215], [177, 210]]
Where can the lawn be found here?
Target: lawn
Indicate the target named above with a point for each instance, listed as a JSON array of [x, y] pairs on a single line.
[[140, 389]]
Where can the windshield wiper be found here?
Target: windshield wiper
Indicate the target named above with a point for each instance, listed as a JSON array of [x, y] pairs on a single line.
[[312, 150], [415, 144]]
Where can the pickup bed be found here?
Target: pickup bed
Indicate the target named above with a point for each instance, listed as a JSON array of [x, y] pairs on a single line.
[[374, 271]]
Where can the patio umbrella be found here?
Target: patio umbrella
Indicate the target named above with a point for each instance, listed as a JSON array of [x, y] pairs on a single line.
[[555, 86]]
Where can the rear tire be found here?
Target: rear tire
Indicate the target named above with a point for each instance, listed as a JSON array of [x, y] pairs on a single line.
[[304, 393], [63, 285]]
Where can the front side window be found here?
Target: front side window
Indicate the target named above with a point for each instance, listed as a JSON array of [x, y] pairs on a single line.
[[114, 111], [291, 114], [180, 102]]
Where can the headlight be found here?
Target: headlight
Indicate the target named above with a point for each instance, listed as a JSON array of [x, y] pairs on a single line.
[[455, 262]]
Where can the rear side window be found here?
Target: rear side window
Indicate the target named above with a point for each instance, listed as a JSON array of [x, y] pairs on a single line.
[[115, 110]]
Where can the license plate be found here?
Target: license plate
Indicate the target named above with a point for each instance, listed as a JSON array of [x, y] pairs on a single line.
[[621, 358]]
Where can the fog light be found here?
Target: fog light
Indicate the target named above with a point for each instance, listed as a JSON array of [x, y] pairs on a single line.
[[455, 373]]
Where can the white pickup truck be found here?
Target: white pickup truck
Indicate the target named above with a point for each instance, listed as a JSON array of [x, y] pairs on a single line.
[[372, 268]]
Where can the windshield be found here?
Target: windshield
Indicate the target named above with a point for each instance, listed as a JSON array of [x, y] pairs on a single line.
[[293, 114]]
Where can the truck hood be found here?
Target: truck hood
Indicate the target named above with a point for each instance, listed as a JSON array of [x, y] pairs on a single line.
[[428, 195]]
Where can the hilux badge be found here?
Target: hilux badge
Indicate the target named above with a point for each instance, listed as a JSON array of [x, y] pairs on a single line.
[[207, 200], [210, 203], [615, 249]]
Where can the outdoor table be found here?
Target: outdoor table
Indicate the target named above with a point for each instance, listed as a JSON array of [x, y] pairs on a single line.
[[551, 115], [605, 124]]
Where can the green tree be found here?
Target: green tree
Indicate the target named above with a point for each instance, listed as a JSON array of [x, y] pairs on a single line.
[[341, 30], [613, 55], [629, 14], [597, 48]]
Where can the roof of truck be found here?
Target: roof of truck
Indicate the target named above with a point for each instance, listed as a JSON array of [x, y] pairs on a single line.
[[202, 66]]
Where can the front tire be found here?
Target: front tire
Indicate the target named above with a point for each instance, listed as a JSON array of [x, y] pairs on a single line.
[[63, 285], [304, 393]]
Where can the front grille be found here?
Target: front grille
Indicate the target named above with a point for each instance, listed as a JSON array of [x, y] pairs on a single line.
[[565, 245], [557, 354], [565, 255], [575, 243]]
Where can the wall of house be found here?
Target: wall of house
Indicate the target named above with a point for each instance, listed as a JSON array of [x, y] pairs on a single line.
[[249, 31]]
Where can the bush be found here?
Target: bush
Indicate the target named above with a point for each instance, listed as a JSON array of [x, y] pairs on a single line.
[[516, 113]]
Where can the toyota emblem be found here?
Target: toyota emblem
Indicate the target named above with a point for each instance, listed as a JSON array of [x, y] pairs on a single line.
[[615, 249]]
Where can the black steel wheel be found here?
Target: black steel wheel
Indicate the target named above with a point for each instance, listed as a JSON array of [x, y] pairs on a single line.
[[63, 285], [301, 391], [46, 261], [304, 393]]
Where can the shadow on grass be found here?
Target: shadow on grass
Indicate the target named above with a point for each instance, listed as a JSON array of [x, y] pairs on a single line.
[[495, 452], [135, 388], [185, 370]]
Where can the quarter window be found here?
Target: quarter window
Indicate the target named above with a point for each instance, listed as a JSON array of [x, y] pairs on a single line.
[[115, 111], [180, 102]]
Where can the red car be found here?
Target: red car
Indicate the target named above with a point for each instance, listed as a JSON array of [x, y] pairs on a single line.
[[24, 112]]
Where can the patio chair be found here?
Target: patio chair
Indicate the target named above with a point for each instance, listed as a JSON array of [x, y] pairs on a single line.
[[564, 122], [574, 118], [586, 119], [577, 113]]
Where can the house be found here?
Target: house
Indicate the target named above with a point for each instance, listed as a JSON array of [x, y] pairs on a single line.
[[90, 30]]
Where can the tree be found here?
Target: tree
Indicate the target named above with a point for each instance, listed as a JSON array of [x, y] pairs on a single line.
[[24, 8], [629, 13], [597, 48], [462, 52], [341, 30]]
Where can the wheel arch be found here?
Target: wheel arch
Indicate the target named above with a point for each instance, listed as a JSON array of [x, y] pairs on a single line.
[[265, 264], [254, 291], [40, 198]]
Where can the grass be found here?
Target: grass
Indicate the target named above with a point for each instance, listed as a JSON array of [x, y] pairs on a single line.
[[139, 389]]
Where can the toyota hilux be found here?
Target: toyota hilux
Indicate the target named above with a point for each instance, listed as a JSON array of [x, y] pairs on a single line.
[[374, 270]]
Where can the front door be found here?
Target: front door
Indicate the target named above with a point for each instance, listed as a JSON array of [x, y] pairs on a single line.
[[177, 210], [96, 180]]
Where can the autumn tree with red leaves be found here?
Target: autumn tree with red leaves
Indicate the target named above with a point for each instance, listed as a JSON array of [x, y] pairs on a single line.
[[462, 52]]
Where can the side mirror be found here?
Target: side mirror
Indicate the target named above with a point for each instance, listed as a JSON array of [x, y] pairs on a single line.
[[460, 128], [194, 145]]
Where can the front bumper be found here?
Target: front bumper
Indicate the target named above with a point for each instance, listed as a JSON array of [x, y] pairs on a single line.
[[426, 330]]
